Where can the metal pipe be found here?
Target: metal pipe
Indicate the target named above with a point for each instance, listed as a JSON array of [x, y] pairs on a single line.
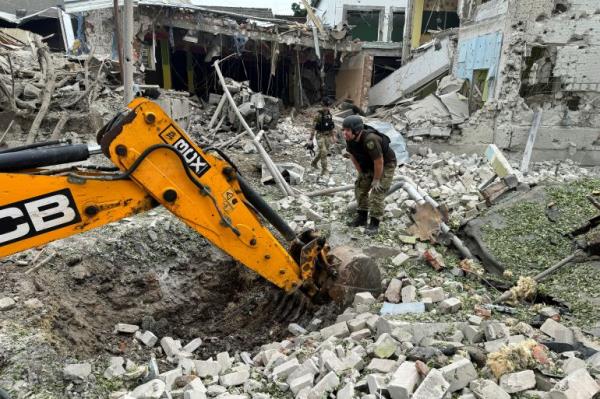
[[128, 53], [421, 197], [287, 191]]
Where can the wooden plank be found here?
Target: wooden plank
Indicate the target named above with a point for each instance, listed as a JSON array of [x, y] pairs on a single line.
[[165, 60]]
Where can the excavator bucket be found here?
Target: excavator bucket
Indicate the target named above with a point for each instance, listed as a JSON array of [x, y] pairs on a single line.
[[336, 274], [356, 272]]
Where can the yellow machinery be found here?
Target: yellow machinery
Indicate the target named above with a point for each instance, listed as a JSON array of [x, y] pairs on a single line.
[[157, 164]]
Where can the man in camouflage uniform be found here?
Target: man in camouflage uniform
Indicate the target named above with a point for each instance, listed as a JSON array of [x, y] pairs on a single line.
[[325, 138], [375, 162]]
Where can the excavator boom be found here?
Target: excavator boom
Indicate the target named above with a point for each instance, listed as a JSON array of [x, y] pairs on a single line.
[[158, 164]]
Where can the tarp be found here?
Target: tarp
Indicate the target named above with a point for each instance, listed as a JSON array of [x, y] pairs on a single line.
[[396, 140]]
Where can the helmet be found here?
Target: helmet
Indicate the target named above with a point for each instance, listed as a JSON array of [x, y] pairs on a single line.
[[354, 123]]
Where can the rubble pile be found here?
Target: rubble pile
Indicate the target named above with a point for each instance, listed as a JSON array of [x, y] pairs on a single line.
[[44, 94], [364, 354]]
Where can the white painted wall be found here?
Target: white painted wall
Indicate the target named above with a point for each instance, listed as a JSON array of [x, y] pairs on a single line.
[[331, 12]]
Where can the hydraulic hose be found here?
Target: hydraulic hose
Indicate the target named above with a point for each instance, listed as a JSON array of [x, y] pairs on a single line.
[[265, 210], [35, 158]]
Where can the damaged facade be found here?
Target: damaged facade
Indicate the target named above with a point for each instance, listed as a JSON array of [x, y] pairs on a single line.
[[518, 57], [176, 44]]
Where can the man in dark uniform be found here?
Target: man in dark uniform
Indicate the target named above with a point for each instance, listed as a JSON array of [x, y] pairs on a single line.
[[375, 162], [324, 127]]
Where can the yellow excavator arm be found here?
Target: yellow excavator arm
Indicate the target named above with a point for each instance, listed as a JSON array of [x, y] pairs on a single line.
[[157, 164]]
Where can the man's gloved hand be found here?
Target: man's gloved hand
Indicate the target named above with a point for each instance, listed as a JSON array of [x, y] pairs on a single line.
[[376, 186]]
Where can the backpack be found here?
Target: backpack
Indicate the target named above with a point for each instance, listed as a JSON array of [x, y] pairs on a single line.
[[325, 122]]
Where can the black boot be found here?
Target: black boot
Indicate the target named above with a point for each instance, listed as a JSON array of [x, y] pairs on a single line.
[[373, 227], [360, 219]]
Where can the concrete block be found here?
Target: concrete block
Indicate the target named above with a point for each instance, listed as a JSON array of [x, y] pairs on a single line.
[[436, 294], [357, 324], [331, 361], [403, 381], [518, 382], [153, 389], [385, 346], [450, 305], [495, 330], [206, 368], [308, 367], [434, 386], [282, 371], [363, 298], [296, 329], [339, 330], [402, 308], [124, 328], [400, 259], [170, 346], [347, 392], [236, 378], [409, 294], [459, 374], [495, 345], [392, 294], [376, 384], [327, 384], [224, 361], [299, 383], [384, 366], [192, 345], [148, 338], [401, 335], [194, 395], [354, 361], [360, 335], [577, 385], [195, 385], [487, 389], [472, 334], [169, 377], [558, 332], [77, 372]]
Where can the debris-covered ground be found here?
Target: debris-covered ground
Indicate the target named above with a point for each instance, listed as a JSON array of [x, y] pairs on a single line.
[[146, 308]]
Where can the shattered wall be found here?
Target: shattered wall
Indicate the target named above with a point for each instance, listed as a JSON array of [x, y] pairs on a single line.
[[99, 31], [549, 59], [354, 79]]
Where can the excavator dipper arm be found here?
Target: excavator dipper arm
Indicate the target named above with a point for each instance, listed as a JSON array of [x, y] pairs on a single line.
[[160, 164]]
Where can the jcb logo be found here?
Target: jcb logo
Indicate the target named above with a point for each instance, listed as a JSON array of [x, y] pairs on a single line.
[[35, 216], [194, 160]]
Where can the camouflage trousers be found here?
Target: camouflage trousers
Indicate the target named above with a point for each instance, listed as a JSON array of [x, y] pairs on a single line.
[[323, 144], [375, 202]]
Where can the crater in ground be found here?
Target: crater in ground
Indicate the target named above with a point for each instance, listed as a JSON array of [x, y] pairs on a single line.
[[154, 272]]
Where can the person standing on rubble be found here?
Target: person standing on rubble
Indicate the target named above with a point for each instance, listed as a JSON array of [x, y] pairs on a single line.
[[375, 162], [324, 127]]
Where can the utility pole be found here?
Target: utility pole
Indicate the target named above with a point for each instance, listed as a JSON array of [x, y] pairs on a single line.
[[407, 38], [128, 53], [118, 23]]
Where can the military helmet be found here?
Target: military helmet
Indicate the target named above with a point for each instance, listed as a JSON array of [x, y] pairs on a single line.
[[354, 123]]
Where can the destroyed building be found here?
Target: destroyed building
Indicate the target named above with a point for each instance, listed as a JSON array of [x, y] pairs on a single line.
[[482, 282], [177, 42]]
